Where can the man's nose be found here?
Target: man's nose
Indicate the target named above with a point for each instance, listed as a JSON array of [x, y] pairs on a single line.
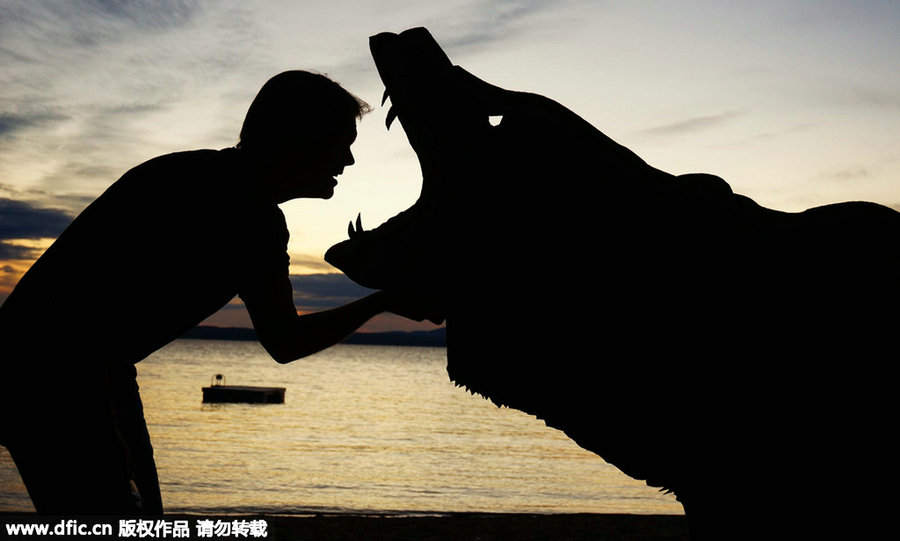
[[349, 160]]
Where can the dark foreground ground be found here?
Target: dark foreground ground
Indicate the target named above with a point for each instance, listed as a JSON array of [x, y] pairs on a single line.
[[484, 527], [454, 526]]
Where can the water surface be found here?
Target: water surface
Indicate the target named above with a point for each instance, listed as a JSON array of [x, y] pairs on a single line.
[[363, 428]]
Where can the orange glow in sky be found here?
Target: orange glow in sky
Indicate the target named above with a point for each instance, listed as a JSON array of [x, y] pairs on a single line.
[[795, 104]]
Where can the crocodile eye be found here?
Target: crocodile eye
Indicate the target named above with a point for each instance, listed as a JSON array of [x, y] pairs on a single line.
[[495, 120]]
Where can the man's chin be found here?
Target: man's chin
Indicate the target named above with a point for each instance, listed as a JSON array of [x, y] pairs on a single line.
[[324, 190], [328, 188]]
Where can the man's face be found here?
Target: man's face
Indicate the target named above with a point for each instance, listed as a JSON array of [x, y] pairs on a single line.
[[311, 170]]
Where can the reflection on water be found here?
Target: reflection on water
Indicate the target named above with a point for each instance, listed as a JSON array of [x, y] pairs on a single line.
[[363, 428]]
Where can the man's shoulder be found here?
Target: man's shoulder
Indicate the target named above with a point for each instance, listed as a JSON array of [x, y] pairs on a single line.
[[207, 180], [207, 160], [205, 173]]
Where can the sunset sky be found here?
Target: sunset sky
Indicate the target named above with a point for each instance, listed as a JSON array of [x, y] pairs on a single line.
[[795, 104]]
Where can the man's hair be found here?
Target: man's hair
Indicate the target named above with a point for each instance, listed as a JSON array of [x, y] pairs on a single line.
[[294, 107]]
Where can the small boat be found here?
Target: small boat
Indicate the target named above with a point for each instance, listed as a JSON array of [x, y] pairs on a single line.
[[218, 393]]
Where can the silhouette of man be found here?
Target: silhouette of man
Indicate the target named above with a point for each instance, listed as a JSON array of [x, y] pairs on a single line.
[[167, 245]]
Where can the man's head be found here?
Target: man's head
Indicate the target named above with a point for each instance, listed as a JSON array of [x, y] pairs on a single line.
[[299, 129]]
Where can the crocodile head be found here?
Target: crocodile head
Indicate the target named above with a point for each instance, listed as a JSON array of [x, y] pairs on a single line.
[[428, 96], [498, 167]]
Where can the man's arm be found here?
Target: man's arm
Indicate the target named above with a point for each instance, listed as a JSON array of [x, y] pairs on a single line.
[[287, 336]]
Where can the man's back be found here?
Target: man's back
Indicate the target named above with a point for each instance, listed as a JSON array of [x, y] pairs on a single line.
[[167, 245]]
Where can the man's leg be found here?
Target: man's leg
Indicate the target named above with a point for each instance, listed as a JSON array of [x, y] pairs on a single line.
[[67, 448], [129, 413]]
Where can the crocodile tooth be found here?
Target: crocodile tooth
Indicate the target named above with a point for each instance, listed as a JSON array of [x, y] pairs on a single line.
[[391, 115], [359, 227], [384, 97], [350, 232]]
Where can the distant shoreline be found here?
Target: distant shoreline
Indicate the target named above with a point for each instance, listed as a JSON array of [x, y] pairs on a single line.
[[435, 338]]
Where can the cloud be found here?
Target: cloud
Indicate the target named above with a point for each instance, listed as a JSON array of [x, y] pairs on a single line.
[[311, 263], [21, 220], [11, 123], [849, 173], [694, 124], [99, 86], [772, 134], [145, 15], [483, 23], [313, 292], [15, 252], [317, 292], [871, 96], [89, 23]]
